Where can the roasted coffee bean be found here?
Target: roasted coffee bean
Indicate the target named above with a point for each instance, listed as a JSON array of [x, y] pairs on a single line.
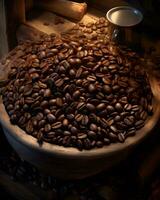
[[74, 130], [44, 104], [90, 107], [121, 137], [91, 134], [67, 133], [100, 106], [76, 94], [118, 107], [117, 118], [47, 93], [78, 89], [59, 82], [81, 136], [56, 125], [91, 78], [93, 127], [110, 109], [47, 128], [59, 101], [65, 122], [112, 136], [51, 118], [107, 89], [39, 116], [85, 120], [99, 144], [91, 88], [129, 120], [106, 80], [114, 129]]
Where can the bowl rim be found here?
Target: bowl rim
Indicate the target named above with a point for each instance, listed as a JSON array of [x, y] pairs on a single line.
[[110, 11], [56, 150]]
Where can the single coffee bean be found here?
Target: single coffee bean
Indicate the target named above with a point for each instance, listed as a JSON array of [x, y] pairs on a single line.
[[59, 102], [56, 125], [91, 88], [76, 94], [74, 130], [81, 136], [51, 118], [46, 111], [93, 127], [67, 133], [99, 144], [121, 137], [47, 128], [65, 122], [107, 89], [118, 107], [91, 134], [101, 106], [90, 107], [110, 109]]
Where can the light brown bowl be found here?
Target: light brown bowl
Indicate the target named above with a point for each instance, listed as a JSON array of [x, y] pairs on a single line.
[[70, 163]]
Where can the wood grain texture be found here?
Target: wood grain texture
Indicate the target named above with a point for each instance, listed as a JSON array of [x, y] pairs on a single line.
[[15, 14], [3, 27], [65, 8]]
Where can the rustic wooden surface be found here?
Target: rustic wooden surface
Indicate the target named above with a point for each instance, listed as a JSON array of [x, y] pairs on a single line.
[[3, 27]]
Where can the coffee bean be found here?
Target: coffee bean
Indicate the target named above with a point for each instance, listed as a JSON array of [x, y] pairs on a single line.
[[101, 106], [39, 116], [65, 122], [90, 107], [81, 136], [118, 107], [51, 118], [93, 127], [114, 129], [85, 120], [47, 128], [107, 89], [117, 118], [56, 125], [106, 80], [91, 88], [110, 109], [91, 78], [74, 130], [78, 89], [47, 93], [52, 102], [99, 144], [59, 101], [76, 94], [44, 104], [121, 137], [67, 133], [91, 134]]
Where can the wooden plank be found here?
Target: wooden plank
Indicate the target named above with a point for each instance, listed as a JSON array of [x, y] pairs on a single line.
[[15, 14], [39, 19], [3, 26], [46, 22]]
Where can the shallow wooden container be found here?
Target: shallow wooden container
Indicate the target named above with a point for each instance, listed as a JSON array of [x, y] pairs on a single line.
[[70, 163]]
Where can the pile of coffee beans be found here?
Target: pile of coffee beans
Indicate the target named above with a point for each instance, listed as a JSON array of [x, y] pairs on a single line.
[[77, 90]]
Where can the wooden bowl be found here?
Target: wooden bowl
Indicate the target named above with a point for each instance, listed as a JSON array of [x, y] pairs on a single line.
[[70, 163]]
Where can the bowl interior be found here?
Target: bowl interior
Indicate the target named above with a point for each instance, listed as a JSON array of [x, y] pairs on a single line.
[[124, 16]]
